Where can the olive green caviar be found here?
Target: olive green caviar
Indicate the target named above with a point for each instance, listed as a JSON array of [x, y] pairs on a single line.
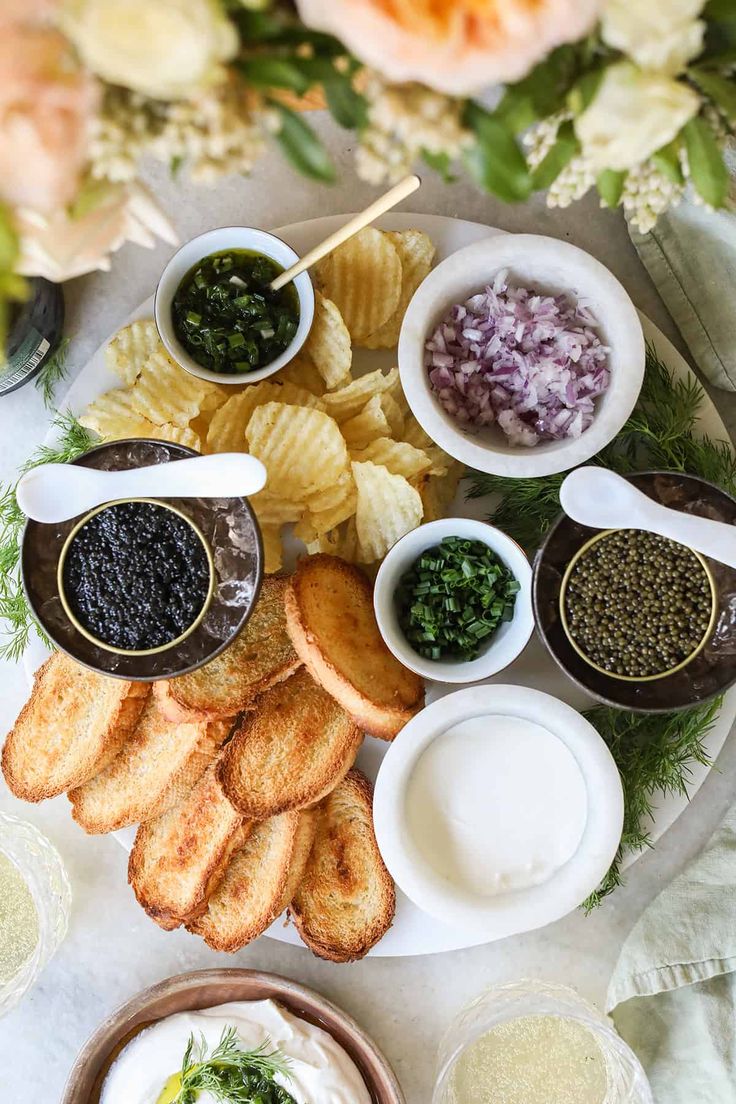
[[637, 605]]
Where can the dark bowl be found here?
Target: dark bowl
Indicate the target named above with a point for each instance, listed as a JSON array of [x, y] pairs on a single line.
[[228, 525], [710, 673]]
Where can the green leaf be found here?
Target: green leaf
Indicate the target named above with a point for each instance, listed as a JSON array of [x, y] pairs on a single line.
[[707, 169], [302, 146], [721, 90], [8, 240], [441, 164], [667, 160], [583, 92], [559, 157], [346, 105], [542, 92], [720, 11], [264, 72], [496, 162], [610, 185]]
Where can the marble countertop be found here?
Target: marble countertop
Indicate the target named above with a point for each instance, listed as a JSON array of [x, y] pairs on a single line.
[[112, 949]]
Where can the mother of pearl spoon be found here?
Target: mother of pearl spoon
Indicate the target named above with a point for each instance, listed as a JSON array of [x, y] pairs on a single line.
[[56, 492], [603, 500]]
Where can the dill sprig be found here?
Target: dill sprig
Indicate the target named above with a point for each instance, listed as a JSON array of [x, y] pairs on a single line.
[[16, 618], [654, 754], [661, 433], [53, 373], [229, 1074]]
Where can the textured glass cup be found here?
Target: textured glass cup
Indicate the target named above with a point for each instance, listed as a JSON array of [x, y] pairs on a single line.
[[40, 866], [626, 1081]]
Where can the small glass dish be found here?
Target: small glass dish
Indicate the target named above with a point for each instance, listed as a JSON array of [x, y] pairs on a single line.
[[39, 864], [626, 1080]]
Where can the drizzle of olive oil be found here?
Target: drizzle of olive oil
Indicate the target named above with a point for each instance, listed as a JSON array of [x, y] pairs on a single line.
[[532, 1060], [18, 921]]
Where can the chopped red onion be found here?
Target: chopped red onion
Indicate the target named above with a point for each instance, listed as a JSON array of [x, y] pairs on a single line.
[[531, 363]]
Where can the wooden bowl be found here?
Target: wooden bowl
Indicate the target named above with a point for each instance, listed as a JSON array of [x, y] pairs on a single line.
[[205, 989]]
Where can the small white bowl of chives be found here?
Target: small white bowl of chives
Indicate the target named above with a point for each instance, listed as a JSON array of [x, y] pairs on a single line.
[[469, 620]]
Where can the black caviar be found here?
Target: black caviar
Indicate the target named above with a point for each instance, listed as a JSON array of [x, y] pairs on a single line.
[[227, 317], [136, 576], [638, 604]]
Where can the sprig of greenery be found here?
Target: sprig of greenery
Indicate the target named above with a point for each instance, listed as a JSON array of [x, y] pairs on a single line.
[[661, 433], [229, 1074], [16, 617], [53, 373], [654, 754]]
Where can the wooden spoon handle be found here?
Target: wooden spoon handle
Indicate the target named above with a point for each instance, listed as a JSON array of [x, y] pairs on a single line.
[[379, 207]]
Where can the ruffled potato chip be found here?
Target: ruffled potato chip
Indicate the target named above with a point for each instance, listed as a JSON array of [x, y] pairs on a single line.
[[164, 393], [388, 507], [302, 372], [302, 449], [399, 457], [130, 348], [416, 252], [366, 426], [226, 431], [438, 491], [272, 548], [350, 400], [363, 278], [328, 344], [113, 417]]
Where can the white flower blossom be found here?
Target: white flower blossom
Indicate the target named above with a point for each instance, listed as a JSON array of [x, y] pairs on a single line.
[[661, 35], [634, 113]]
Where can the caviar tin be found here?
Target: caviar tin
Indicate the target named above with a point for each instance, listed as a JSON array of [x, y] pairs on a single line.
[[581, 552], [133, 651]]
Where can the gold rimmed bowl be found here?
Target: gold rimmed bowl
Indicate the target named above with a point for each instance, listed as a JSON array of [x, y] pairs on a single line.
[[708, 672], [230, 533], [68, 605], [579, 555]]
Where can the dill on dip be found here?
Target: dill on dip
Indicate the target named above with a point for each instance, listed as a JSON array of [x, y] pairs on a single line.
[[230, 1074], [18, 921]]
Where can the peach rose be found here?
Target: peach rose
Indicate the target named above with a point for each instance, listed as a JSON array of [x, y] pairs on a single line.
[[45, 107], [26, 11], [455, 46]]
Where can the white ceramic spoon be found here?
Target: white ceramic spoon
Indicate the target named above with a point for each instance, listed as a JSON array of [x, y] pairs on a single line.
[[603, 500], [57, 492]]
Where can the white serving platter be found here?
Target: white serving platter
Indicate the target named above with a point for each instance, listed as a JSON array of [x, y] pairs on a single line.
[[413, 932]]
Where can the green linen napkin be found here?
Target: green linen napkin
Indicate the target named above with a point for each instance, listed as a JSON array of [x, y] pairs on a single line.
[[673, 991], [691, 257]]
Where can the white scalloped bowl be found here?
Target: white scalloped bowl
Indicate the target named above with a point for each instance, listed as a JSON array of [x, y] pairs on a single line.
[[549, 266]]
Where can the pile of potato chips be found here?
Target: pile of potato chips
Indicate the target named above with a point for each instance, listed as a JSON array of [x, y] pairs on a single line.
[[348, 464]]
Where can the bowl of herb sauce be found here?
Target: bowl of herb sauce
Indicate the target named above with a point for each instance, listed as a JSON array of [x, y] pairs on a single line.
[[216, 313]]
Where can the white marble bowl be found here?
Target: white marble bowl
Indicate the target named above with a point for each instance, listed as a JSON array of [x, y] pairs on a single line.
[[551, 267], [511, 637], [502, 912], [216, 241]]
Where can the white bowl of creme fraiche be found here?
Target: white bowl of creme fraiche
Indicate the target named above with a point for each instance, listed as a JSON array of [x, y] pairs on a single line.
[[498, 809], [496, 651]]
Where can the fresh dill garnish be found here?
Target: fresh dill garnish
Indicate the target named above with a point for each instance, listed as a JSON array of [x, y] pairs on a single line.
[[15, 614], [661, 433], [230, 1073], [654, 754], [53, 373]]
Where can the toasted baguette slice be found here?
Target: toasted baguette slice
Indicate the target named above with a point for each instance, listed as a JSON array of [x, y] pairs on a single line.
[[74, 723], [202, 757], [346, 901], [330, 618], [259, 882], [179, 858], [290, 752], [153, 766], [259, 657]]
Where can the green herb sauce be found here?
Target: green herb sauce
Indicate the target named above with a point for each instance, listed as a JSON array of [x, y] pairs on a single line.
[[226, 316]]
